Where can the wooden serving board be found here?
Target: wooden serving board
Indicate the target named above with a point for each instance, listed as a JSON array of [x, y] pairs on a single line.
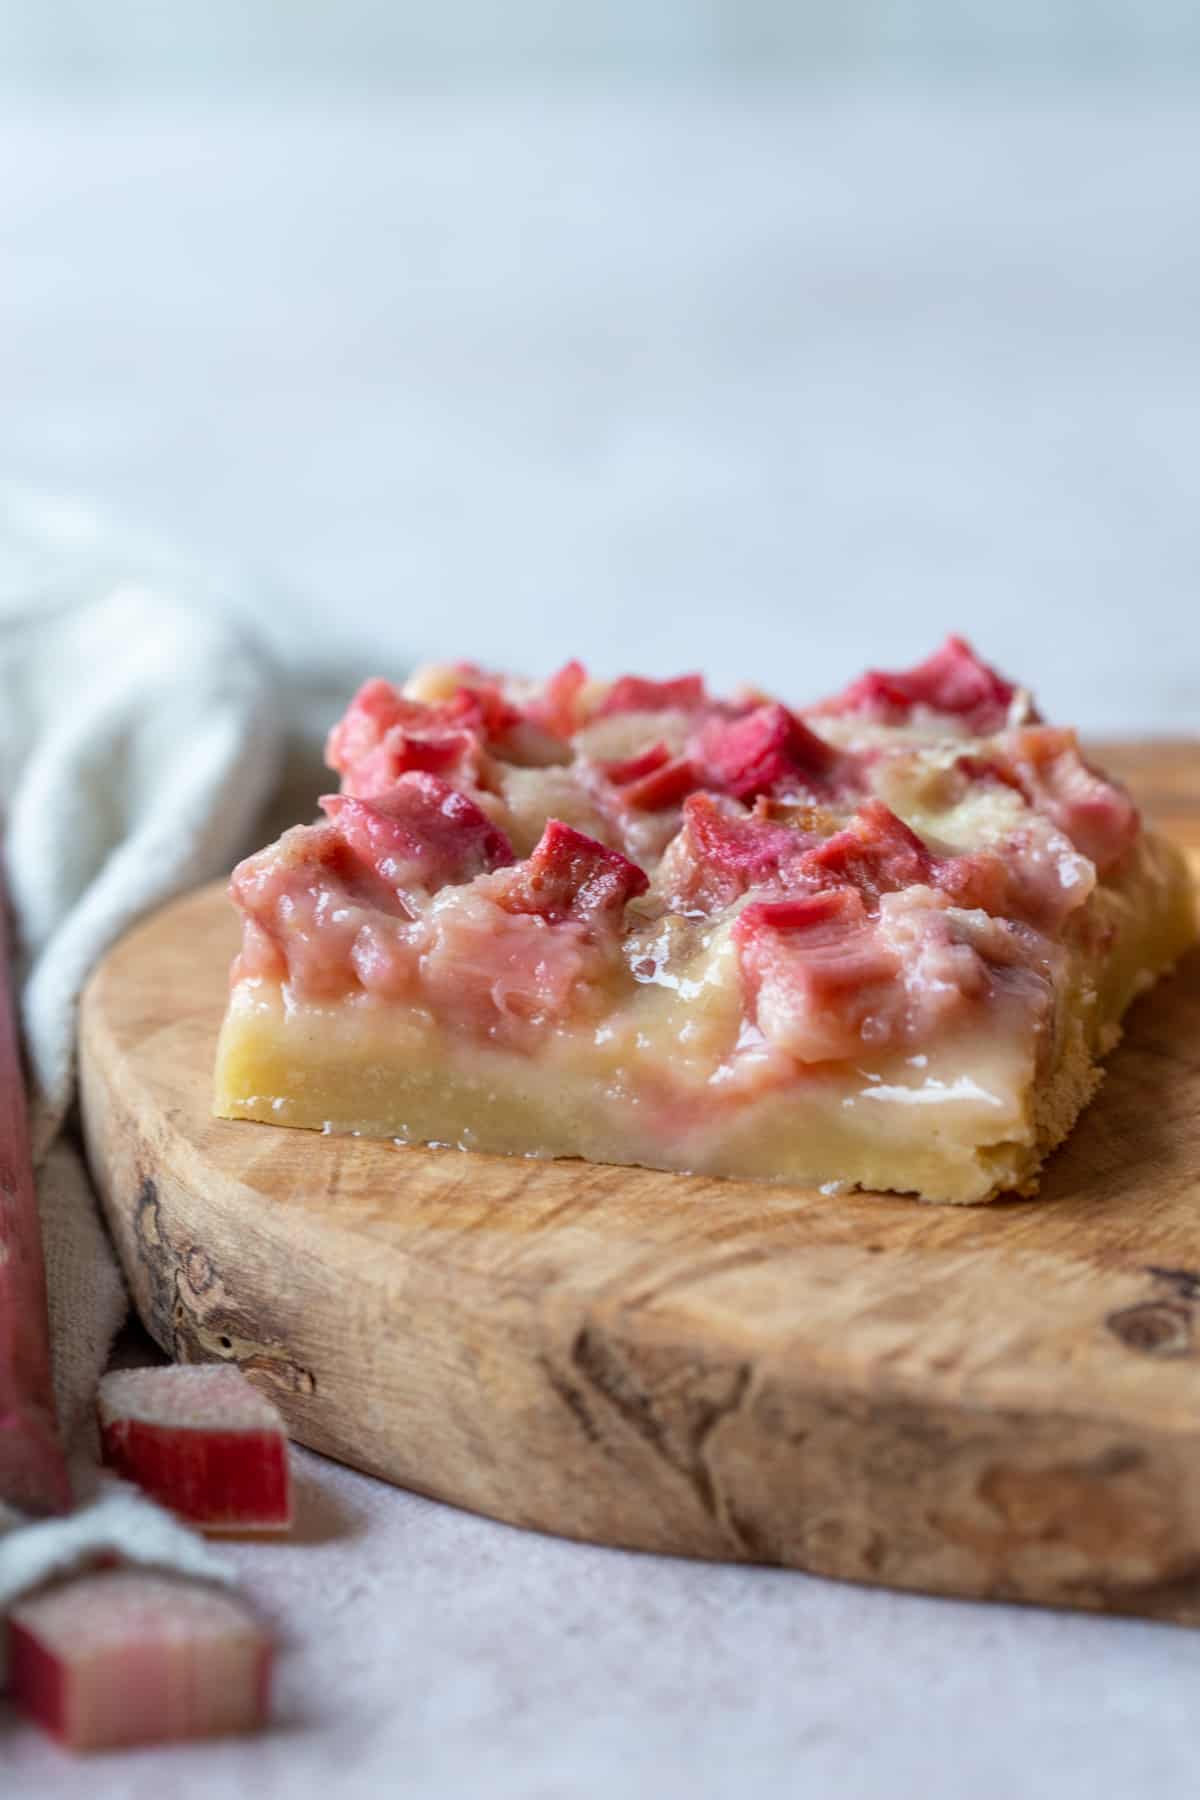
[[1000, 1401]]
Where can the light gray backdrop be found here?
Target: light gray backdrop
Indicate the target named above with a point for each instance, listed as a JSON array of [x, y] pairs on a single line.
[[133, 43]]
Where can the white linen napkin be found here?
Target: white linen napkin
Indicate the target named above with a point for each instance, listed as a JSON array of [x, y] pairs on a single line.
[[139, 740]]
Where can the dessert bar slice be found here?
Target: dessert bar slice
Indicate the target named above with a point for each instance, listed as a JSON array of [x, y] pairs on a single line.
[[880, 942]]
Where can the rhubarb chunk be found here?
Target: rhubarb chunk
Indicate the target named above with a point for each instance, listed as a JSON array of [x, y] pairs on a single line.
[[128, 1656], [653, 779], [1094, 813], [422, 832], [767, 749], [33, 1472], [557, 709], [200, 1439], [818, 979], [570, 875], [721, 853], [876, 853], [953, 682], [637, 693]]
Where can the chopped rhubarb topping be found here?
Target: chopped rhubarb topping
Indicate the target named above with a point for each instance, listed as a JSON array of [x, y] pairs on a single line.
[[721, 853], [423, 832], [334, 906], [200, 1439], [556, 709], [631, 769], [941, 970], [952, 959], [816, 974], [636, 693], [855, 929], [952, 681], [1018, 961], [528, 943], [531, 943], [653, 780], [307, 901], [571, 876], [376, 709], [1033, 877], [759, 752], [480, 705], [826, 977], [497, 973], [128, 1656], [1098, 816], [384, 735], [312, 909], [437, 752], [876, 853], [766, 749]]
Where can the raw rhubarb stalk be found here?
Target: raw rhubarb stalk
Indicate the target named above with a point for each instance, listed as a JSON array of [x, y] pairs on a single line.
[[200, 1439], [33, 1473], [130, 1656]]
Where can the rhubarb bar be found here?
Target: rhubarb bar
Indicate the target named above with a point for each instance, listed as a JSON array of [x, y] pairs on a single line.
[[881, 941]]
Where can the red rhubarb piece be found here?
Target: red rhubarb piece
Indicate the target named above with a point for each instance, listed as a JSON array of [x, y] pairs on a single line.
[[556, 709], [33, 1474], [816, 974], [128, 1656], [383, 734], [438, 751], [664, 787], [571, 875], [200, 1439], [637, 693], [327, 907], [876, 853], [423, 831], [1032, 878], [825, 918], [479, 705], [627, 770], [721, 853], [653, 780], [376, 709], [1098, 816], [765, 749], [952, 681]]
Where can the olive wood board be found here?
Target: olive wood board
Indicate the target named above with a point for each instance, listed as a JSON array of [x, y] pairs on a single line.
[[998, 1401]]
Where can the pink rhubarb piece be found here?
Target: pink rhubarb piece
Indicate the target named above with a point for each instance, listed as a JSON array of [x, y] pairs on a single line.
[[200, 1439], [129, 1656]]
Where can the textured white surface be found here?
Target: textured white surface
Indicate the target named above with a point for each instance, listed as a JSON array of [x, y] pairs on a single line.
[[763, 383], [434, 1654]]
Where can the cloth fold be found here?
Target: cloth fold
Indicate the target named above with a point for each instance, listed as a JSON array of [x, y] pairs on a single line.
[[140, 738]]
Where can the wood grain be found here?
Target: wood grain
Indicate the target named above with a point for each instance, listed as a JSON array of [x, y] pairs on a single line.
[[1001, 1402]]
